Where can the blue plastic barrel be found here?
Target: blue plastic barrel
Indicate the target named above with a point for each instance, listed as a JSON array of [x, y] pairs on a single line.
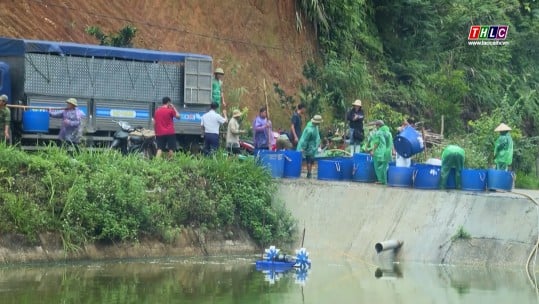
[[292, 164], [408, 142], [427, 176], [474, 179], [347, 168], [35, 121], [500, 180], [400, 176], [273, 161], [363, 170], [330, 169]]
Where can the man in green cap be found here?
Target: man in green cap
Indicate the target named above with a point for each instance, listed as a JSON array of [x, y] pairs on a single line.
[[217, 95], [452, 158], [503, 148], [381, 150]]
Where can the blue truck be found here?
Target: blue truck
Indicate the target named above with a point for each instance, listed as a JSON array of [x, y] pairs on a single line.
[[110, 84]]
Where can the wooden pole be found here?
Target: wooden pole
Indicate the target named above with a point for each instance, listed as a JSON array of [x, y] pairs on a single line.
[[267, 113], [32, 107]]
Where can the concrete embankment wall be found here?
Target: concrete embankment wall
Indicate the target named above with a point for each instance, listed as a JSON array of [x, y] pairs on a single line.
[[346, 219]]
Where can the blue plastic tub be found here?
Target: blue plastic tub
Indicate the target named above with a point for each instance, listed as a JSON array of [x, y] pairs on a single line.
[[363, 170], [400, 176], [347, 168], [35, 121], [500, 180], [474, 179], [273, 161], [427, 176], [330, 169], [408, 142], [292, 164]]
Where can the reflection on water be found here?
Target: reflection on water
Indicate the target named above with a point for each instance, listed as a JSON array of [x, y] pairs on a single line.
[[235, 280]]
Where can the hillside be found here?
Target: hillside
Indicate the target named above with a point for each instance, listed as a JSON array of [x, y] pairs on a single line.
[[252, 41]]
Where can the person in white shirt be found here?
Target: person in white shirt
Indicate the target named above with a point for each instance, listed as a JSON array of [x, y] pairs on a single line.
[[210, 123]]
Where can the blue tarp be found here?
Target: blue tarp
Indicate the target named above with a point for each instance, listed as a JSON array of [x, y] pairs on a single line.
[[18, 47]]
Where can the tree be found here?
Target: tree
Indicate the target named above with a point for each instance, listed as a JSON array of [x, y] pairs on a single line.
[[123, 38]]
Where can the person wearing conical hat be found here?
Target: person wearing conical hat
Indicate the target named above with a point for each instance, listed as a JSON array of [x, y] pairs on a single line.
[[217, 95], [310, 141], [72, 123], [355, 120], [503, 148], [233, 132]]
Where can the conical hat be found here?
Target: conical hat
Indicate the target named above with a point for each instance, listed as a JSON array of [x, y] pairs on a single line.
[[502, 127]]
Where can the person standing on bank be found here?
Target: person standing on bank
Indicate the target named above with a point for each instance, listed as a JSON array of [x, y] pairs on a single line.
[[503, 148], [452, 158], [217, 89], [72, 119], [310, 141], [5, 120], [295, 127], [355, 118], [262, 130], [233, 133], [165, 135], [210, 123], [379, 152]]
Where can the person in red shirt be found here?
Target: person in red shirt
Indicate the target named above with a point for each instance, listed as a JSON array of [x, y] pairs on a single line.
[[165, 135]]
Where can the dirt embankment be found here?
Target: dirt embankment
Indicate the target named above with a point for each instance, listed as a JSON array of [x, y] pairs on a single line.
[[253, 40], [190, 242]]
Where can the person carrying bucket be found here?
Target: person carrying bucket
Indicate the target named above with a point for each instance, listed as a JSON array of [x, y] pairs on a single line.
[[5, 119], [72, 119], [310, 141], [452, 158], [503, 148], [381, 150]]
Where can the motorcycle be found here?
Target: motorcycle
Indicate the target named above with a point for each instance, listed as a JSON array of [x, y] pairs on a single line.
[[130, 140]]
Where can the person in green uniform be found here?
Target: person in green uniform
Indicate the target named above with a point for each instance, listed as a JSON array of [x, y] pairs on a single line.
[[310, 141], [452, 158], [503, 148], [380, 147], [217, 95], [5, 119]]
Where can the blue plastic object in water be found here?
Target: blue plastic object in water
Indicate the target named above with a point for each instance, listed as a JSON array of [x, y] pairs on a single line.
[[292, 164], [35, 121], [474, 179], [408, 142], [400, 176], [500, 180]]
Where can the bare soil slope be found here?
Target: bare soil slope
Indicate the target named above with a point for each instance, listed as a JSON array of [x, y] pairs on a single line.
[[253, 40]]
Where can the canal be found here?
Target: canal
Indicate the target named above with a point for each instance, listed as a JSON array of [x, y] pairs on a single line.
[[235, 280]]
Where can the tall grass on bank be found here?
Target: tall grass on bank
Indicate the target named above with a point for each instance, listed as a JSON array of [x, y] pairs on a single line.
[[104, 196]]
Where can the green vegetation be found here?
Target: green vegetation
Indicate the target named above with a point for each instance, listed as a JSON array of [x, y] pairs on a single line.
[[413, 58], [123, 38], [109, 197], [461, 234]]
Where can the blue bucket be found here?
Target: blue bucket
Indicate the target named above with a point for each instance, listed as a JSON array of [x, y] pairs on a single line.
[[292, 164], [35, 121], [408, 142], [347, 167], [400, 176], [474, 179], [273, 161], [363, 170], [500, 180], [427, 176], [330, 169]]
